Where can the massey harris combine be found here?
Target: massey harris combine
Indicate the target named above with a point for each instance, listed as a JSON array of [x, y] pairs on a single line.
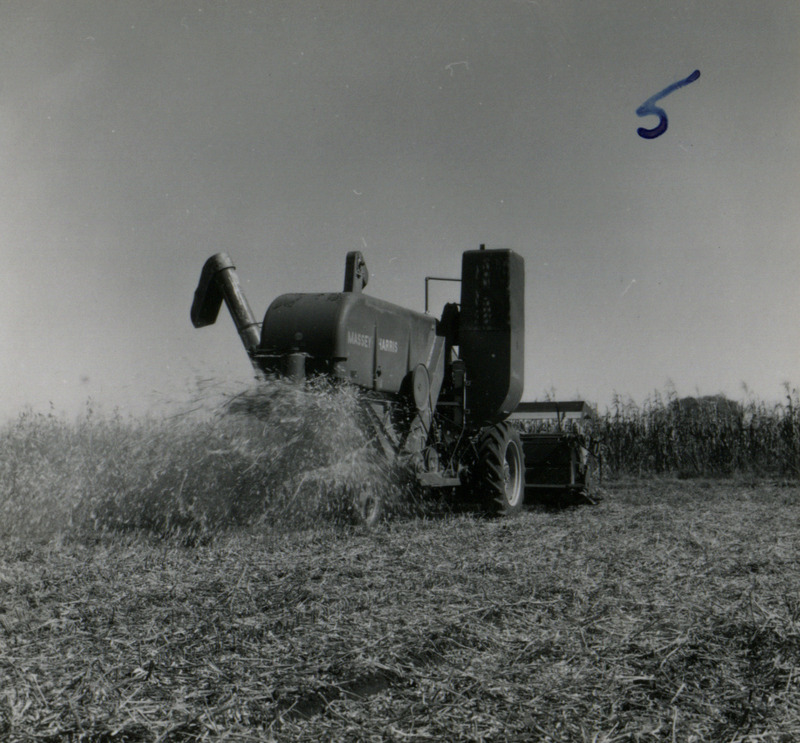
[[440, 395]]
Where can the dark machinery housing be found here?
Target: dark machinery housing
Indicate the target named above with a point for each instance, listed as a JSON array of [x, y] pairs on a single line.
[[443, 394]]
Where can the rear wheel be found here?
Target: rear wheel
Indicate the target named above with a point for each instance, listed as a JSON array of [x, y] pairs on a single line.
[[501, 470], [369, 506]]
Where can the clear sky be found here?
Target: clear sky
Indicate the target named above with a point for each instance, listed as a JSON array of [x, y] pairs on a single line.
[[138, 138]]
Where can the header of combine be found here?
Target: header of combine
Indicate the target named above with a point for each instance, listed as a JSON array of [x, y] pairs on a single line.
[[437, 391]]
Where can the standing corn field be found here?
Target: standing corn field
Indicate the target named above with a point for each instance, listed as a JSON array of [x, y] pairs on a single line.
[[707, 436]]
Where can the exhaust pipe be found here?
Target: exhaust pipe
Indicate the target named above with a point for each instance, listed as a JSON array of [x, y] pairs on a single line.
[[219, 281]]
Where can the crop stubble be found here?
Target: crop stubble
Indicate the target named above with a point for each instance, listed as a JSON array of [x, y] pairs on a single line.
[[668, 612]]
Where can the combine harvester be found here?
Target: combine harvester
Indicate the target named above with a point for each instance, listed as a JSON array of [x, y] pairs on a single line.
[[440, 395]]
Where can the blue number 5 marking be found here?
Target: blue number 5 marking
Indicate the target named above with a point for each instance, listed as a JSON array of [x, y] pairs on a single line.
[[649, 108]]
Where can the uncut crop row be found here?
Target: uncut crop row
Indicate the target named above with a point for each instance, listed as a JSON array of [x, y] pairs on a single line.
[[705, 437]]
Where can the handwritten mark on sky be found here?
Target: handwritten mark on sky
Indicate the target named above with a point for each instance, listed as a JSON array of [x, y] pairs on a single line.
[[649, 108], [453, 64]]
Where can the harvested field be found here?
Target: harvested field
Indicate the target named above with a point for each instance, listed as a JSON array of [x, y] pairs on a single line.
[[668, 612]]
